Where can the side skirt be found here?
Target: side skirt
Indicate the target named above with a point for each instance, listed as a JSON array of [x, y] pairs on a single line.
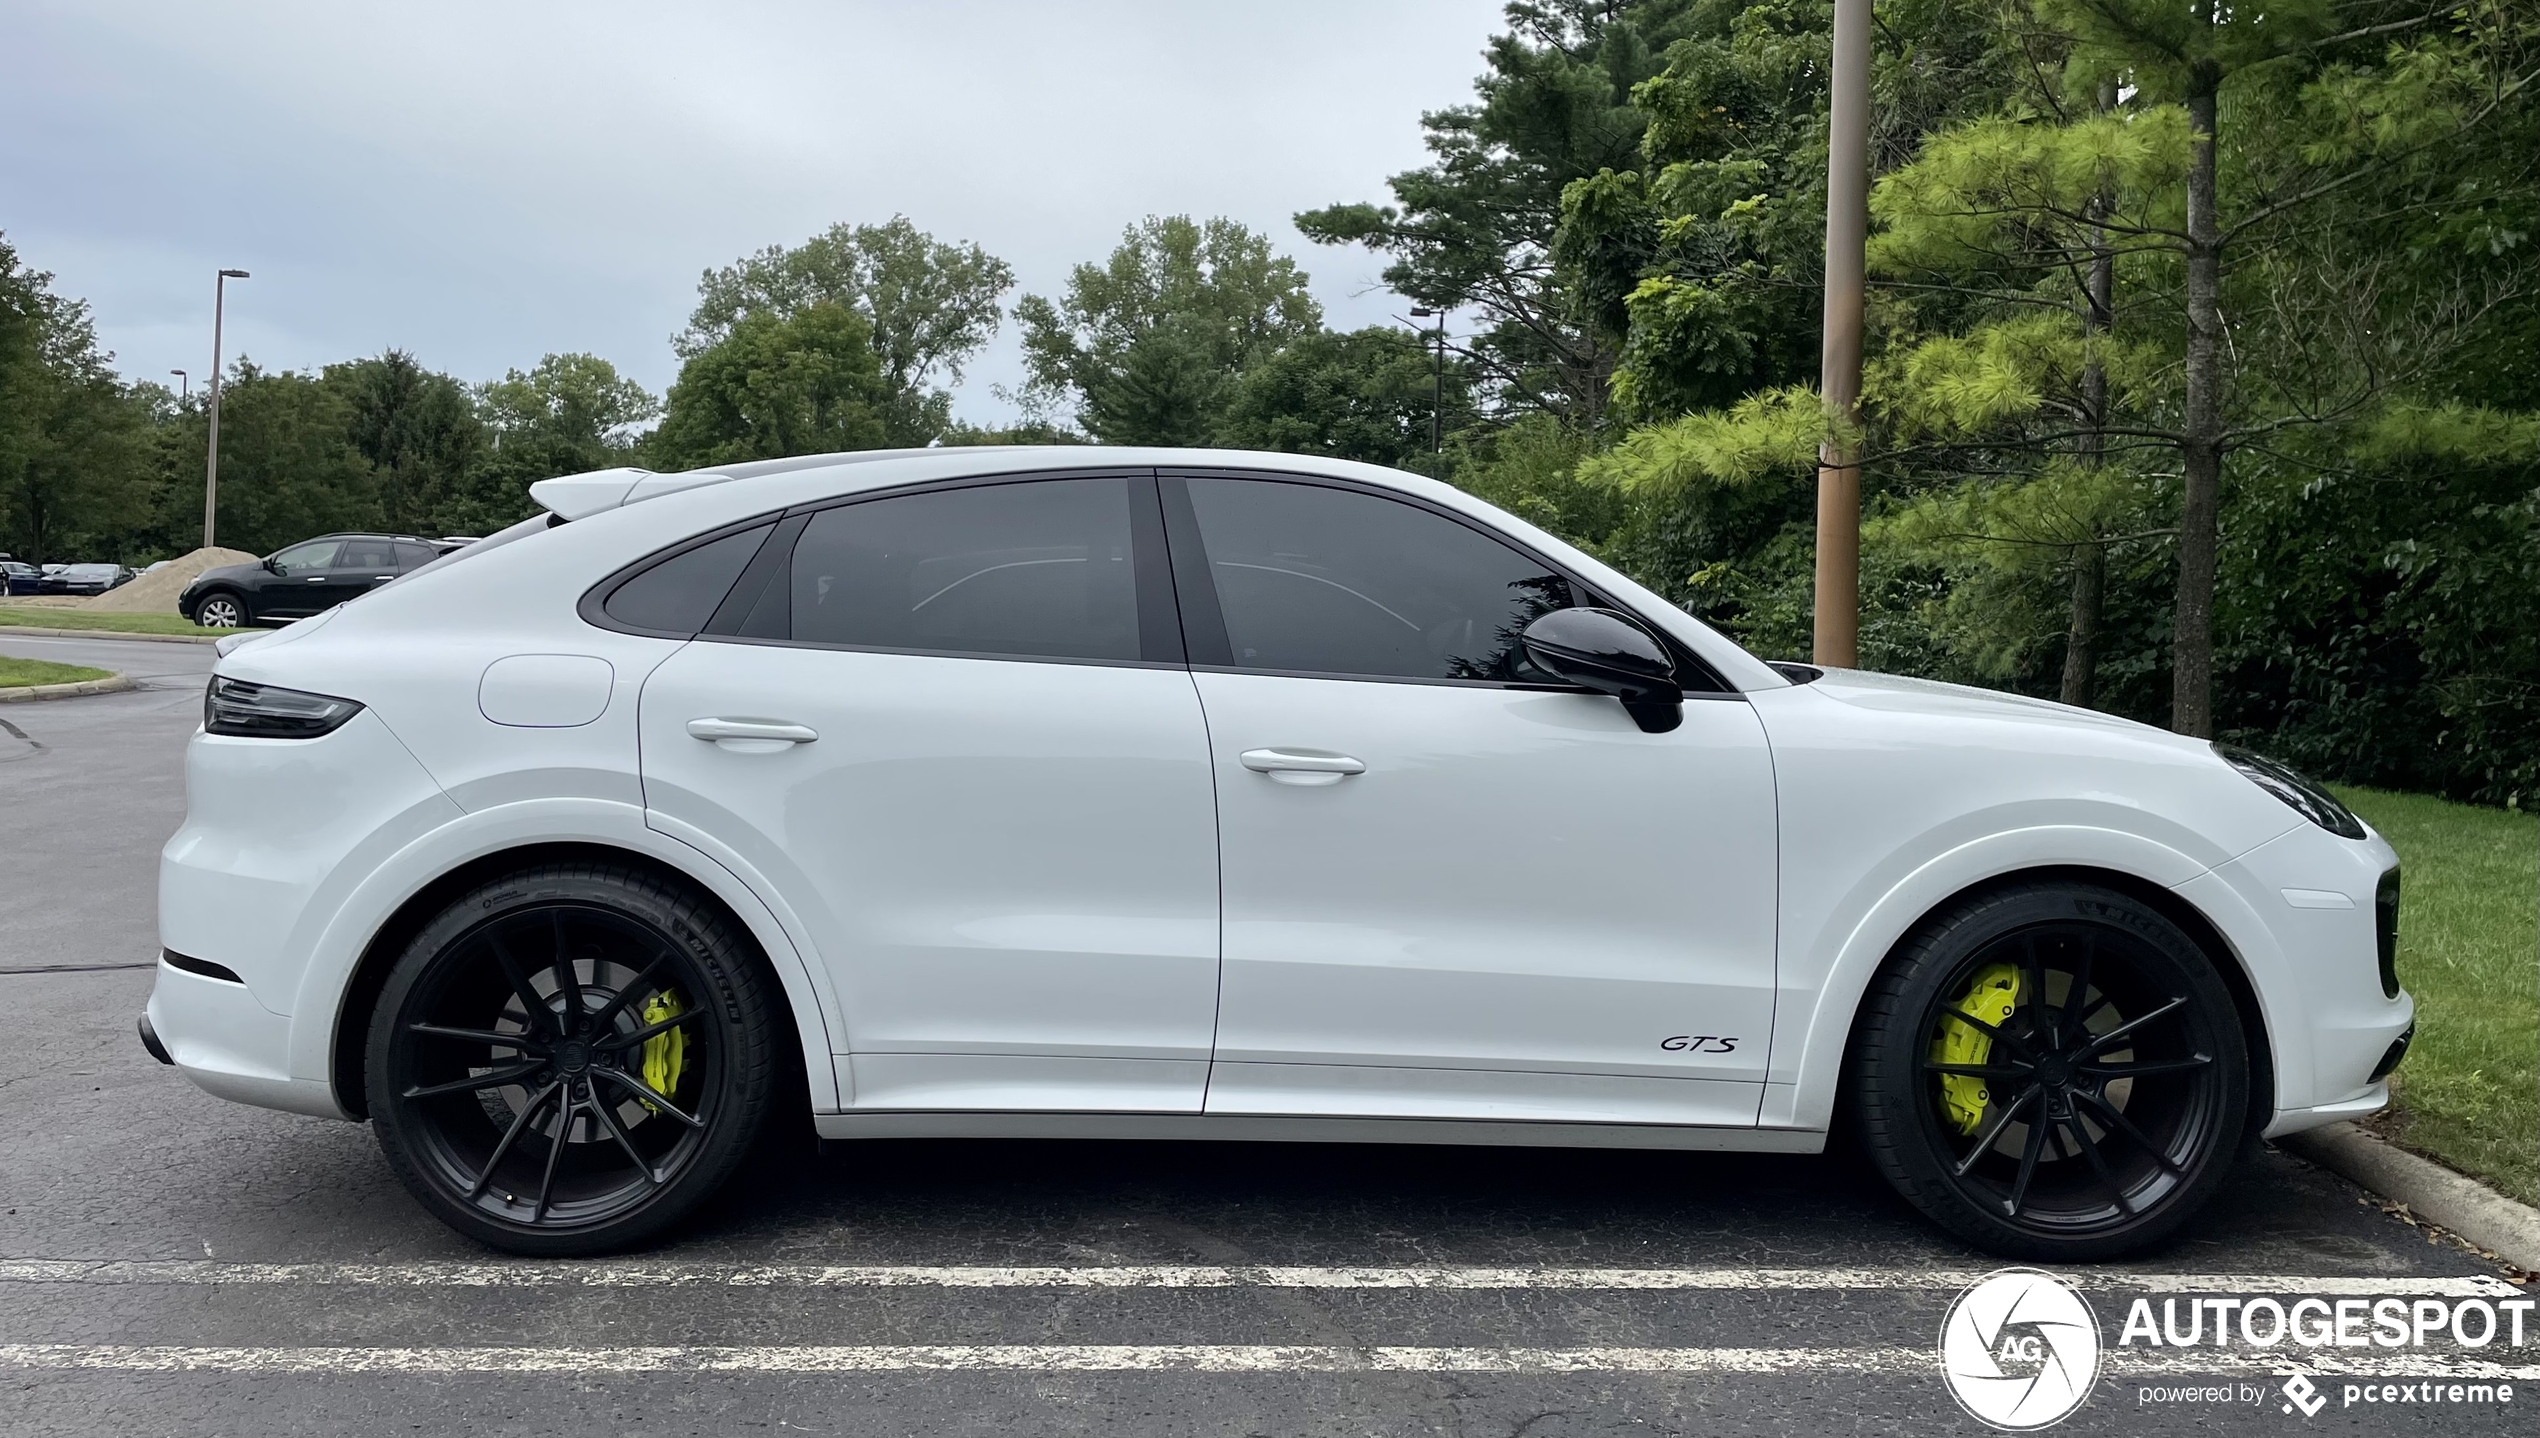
[[1300, 1128]]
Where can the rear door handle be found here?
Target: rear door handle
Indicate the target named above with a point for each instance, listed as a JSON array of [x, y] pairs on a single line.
[[1302, 766], [750, 736]]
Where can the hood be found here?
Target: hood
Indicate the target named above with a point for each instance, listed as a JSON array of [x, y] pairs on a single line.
[[226, 571], [1897, 694]]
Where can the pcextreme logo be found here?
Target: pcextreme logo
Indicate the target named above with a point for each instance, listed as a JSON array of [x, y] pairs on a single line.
[[2020, 1349]]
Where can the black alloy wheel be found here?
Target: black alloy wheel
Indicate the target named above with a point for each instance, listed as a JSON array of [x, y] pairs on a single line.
[[2052, 1073], [568, 1060]]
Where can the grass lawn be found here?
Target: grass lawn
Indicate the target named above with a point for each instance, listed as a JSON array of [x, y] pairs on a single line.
[[28, 616], [2469, 949], [17, 672]]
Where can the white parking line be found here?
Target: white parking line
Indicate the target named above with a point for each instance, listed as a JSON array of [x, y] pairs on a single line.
[[1156, 1358], [672, 1274]]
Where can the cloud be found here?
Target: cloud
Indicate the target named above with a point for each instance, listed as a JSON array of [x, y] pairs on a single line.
[[485, 183]]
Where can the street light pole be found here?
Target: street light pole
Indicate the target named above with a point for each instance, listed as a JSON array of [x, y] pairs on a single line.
[[1838, 606], [185, 382], [1437, 382], [211, 458]]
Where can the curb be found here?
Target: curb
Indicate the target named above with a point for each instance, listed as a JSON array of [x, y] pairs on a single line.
[[2501, 1225], [29, 693], [8, 629]]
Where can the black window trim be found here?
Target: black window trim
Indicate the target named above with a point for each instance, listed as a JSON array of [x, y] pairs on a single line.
[[1159, 626], [1203, 620], [592, 606]]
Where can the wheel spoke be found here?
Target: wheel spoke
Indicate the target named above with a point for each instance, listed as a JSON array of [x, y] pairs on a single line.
[[494, 1078], [520, 1122], [2034, 974], [495, 1038], [568, 982], [608, 1120], [627, 991], [2098, 1165], [2118, 1121], [2099, 1044], [539, 1013], [2028, 1167], [555, 1150], [619, 1041], [2076, 1020], [1988, 1030], [2147, 1067], [1998, 1073], [651, 1098], [1993, 1134]]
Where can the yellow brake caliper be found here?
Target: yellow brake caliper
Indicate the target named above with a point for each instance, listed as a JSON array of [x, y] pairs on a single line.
[[665, 1053], [1992, 996]]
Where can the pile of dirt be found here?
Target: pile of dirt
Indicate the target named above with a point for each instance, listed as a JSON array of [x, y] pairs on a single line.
[[156, 591]]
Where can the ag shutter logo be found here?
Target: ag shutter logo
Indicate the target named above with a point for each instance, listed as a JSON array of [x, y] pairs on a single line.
[[2020, 1349]]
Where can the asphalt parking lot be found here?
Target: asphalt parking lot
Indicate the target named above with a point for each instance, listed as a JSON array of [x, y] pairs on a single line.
[[173, 1264]]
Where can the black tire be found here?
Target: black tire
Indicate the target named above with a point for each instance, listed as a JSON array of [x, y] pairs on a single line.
[[2142, 1081], [223, 609], [573, 1143]]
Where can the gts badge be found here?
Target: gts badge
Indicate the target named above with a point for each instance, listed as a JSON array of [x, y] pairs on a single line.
[[1698, 1044]]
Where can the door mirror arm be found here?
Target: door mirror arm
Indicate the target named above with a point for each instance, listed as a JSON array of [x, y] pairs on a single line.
[[1610, 653]]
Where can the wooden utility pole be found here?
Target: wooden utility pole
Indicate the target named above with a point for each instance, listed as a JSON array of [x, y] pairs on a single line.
[[1838, 606]]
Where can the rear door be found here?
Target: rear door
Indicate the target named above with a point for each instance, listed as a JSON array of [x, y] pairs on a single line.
[[953, 727], [363, 564]]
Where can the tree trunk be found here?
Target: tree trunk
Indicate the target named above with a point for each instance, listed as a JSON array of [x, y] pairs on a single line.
[[2090, 558], [2200, 452], [2081, 642]]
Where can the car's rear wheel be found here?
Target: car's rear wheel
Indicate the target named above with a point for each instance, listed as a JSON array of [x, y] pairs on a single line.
[[2052, 1072], [568, 1060], [221, 611]]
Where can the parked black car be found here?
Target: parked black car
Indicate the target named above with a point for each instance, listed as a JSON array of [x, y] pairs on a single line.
[[87, 579], [19, 577], [300, 580]]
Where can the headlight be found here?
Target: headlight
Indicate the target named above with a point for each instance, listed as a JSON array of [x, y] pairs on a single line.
[[262, 711], [2299, 794]]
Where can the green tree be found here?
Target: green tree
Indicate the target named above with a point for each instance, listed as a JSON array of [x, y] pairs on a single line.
[[931, 306], [1364, 395], [288, 465], [1146, 344], [773, 387], [418, 429], [73, 446], [1474, 229]]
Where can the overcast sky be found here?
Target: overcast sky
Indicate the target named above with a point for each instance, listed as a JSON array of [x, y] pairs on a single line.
[[484, 183]]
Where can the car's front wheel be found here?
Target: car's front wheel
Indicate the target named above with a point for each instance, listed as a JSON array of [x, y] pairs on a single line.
[[221, 611], [567, 1060], [2053, 1072]]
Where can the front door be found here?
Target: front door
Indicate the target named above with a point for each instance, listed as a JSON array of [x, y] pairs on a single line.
[[295, 583], [1453, 887], [957, 734]]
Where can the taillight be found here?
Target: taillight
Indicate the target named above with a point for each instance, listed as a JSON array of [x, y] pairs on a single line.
[[264, 711]]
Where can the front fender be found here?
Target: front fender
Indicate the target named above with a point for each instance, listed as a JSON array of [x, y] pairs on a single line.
[[475, 835], [1821, 991]]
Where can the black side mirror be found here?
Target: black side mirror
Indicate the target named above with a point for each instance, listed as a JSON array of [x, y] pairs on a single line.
[[1610, 653], [270, 566]]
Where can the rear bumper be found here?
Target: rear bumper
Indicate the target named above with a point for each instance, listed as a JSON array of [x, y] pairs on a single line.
[[229, 1045]]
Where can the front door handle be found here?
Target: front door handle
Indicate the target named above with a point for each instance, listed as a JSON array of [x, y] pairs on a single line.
[[751, 736], [1302, 766]]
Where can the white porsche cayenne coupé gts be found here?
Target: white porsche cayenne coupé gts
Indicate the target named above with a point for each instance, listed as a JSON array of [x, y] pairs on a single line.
[[1195, 794]]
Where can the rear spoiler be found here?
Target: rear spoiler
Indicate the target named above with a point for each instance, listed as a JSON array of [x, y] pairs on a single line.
[[571, 496]]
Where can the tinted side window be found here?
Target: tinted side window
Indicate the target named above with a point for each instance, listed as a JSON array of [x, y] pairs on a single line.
[[316, 554], [415, 556], [377, 555], [1334, 581], [1040, 569], [679, 594]]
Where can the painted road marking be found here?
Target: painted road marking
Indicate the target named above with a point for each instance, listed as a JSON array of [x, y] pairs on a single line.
[[671, 1274], [1165, 1358]]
